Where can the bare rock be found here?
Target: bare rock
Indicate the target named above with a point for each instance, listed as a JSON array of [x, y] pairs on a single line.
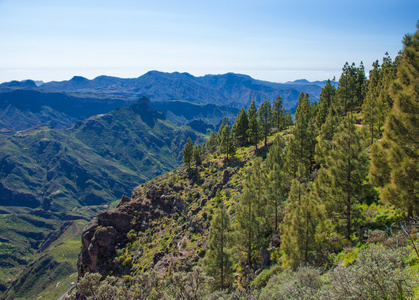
[[124, 200]]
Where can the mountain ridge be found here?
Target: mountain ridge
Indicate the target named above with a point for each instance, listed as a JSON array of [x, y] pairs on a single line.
[[230, 89]]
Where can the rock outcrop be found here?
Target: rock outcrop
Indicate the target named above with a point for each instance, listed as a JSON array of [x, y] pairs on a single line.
[[108, 231]]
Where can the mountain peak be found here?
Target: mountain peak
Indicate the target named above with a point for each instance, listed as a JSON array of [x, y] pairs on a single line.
[[79, 79], [144, 101], [20, 84], [299, 81]]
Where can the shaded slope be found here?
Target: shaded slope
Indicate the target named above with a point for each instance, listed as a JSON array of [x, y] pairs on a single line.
[[22, 108], [183, 112]]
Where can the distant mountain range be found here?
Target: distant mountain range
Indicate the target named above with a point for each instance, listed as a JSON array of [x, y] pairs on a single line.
[[234, 90]]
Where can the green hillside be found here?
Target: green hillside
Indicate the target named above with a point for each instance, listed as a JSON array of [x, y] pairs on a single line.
[[324, 209]]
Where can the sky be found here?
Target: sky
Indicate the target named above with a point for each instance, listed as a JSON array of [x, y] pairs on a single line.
[[279, 41]]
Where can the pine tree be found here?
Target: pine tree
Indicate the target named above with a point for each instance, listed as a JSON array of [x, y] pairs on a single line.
[[277, 191], [278, 114], [298, 230], [301, 146], [247, 222], [212, 141], [379, 170], [254, 130], [252, 213], [196, 154], [361, 85], [342, 176], [276, 153], [217, 260], [325, 101], [388, 75], [265, 112], [371, 108], [378, 102], [292, 157], [252, 110], [187, 152], [326, 134], [227, 145], [351, 91], [400, 144], [288, 119], [241, 127], [220, 131]]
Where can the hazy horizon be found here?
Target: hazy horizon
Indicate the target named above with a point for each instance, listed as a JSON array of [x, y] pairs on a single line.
[[276, 41], [92, 78]]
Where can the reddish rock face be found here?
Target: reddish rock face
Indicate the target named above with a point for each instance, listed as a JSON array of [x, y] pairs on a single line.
[[101, 237], [108, 231]]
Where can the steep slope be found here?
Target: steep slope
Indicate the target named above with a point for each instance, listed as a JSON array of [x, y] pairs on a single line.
[[157, 236], [52, 175], [228, 89], [22, 108], [164, 225]]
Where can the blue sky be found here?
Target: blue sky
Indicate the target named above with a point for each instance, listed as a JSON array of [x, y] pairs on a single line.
[[269, 40]]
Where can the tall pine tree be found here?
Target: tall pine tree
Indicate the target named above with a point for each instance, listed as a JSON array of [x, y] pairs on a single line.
[[196, 154], [278, 114], [277, 192], [217, 260], [342, 176], [276, 154], [300, 149], [265, 112], [187, 152], [252, 213], [397, 167], [371, 108], [241, 128], [298, 231], [325, 101], [252, 110], [212, 141], [227, 145], [327, 131], [254, 130], [352, 87]]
